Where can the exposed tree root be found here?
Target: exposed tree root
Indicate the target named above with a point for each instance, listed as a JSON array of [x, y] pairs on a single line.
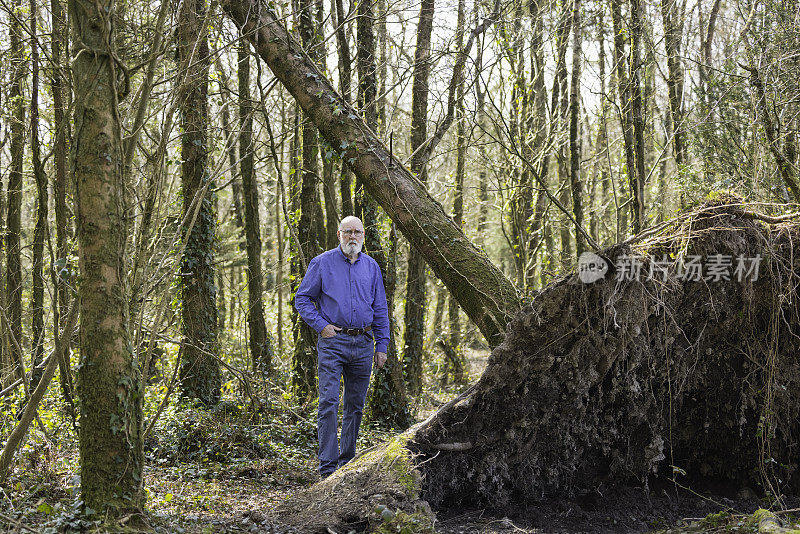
[[617, 381]]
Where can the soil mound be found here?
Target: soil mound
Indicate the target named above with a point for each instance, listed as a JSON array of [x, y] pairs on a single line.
[[681, 361]]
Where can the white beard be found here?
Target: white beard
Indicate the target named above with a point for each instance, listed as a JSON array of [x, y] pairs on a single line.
[[352, 249]]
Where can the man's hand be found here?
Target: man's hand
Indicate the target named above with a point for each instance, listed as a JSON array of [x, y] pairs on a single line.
[[380, 359], [329, 331]]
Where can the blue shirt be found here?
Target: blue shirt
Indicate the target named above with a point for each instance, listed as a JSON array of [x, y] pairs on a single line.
[[350, 295]]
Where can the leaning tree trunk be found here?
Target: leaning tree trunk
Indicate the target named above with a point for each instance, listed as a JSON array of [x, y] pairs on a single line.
[[109, 384], [486, 296]]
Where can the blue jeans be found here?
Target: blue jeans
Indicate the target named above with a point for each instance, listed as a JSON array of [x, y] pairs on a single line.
[[349, 357]]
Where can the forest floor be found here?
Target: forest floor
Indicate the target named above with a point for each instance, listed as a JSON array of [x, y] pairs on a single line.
[[221, 478]]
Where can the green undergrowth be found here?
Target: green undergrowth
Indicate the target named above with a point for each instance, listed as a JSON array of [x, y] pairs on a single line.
[[762, 521]]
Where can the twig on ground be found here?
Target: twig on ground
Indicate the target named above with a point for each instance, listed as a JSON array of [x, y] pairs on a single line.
[[16, 523]]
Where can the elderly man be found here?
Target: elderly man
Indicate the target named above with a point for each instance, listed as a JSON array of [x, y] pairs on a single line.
[[343, 299]]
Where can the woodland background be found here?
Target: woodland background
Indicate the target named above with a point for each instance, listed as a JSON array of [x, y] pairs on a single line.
[[151, 164]]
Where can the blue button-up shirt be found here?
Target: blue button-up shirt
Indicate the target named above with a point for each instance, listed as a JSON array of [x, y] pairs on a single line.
[[350, 295]]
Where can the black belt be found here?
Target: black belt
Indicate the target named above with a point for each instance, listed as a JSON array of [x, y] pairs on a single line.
[[355, 331]]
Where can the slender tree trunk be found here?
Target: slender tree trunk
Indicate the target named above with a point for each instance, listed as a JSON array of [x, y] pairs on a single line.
[[574, 128], [200, 372], [637, 114], [516, 170], [485, 294], [109, 382], [279, 273], [260, 344], [415, 284], [14, 203], [458, 366], [382, 72], [602, 134], [626, 115], [786, 167], [222, 305], [672, 43], [345, 79], [40, 230], [305, 354], [538, 123], [328, 239], [560, 105], [438, 310], [63, 227], [483, 185], [388, 403]]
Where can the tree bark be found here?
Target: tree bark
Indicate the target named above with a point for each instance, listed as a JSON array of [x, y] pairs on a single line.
[[200, 372], [304, 365], [109, 382], [637, 115], [260, 344], [457, 368], [63, 227], [415, 282], [786, 166], [539, 149], [574, 128], [626, 115], [388, 403], [560, 107], [486, 296], [483, 186], [40, 230], [345, 78], [519, 178], [14, 203], [672, 22]]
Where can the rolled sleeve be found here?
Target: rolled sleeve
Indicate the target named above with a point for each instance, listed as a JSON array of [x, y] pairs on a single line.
[[307, 296], [380, 310]]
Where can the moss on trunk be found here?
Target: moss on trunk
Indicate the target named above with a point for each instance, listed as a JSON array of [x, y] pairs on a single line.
[[109, 385]]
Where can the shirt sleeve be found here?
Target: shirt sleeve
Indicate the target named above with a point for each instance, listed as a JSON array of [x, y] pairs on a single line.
[[307, 295], [380, 314]]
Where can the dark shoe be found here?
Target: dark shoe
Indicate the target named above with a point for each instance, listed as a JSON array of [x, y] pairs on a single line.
[[323, 476]]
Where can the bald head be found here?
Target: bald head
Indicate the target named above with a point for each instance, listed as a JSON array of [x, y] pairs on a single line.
[[351, 221], [351, 236]]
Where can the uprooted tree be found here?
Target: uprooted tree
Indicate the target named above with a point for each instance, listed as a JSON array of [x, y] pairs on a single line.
[[593, 384], [616, 382]]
